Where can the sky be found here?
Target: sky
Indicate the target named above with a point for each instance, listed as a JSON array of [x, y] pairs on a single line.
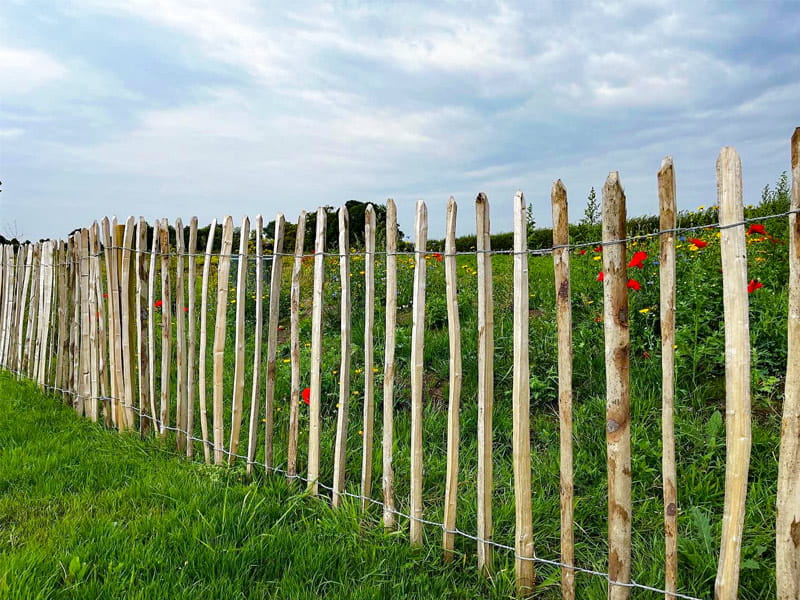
[[175, 108]]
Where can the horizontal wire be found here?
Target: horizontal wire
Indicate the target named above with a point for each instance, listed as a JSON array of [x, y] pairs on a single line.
[[632, 584], [530, 251]]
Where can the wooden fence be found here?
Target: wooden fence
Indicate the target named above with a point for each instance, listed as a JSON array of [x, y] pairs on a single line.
[[80, 316]]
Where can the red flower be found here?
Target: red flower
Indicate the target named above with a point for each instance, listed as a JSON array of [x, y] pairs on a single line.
[[281, 327], [185, 309], [598, 248], [698, 242], [756, 228], [437, 256], [638, 259], [307, 396], [582, 252], [159, 303], [634, 285], [753, 286], [601, 276], [105, 295]]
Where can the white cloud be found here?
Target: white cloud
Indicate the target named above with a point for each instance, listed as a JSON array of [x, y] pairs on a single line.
[[25, 70]]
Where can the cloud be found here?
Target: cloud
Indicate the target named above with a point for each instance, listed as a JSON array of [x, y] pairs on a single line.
[[26, 70]]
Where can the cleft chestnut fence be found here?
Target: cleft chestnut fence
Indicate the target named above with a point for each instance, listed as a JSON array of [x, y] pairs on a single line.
[[137, 326]]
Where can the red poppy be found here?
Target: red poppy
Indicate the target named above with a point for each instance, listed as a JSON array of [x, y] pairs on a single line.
[[601, 276], [105, 295], [753, 286], [159, 303], [638, 259], [598, 248], [185, 309], [281, 327], [634, 285], [437, 256], [582, 252], [306, 393], [698, 242], [756, 228]]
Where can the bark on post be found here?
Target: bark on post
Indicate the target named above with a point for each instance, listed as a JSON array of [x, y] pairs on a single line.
[[417, 367], [558, 199], [272, 338], [369, 375], [316, 355], [340, 449], [180, 341], [666, 269], [737, 370], [294, 316], [239, 366], [521, 442], [204, 341], [454, 395], [255, 390], [788, 502], [388, 363], [223, 275], [191, 350], [166, 326], [617, 349]]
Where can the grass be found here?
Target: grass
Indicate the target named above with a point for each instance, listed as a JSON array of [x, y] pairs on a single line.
[[327, 546], [87, 513]]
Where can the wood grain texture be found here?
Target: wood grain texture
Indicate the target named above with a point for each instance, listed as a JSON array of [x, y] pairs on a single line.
[[202, 375], [191, 328], [316, 355], [737, 371], [272, 339], [181, 398], [239, 364], [294, 346], [342, 416], [166, 327], [558, 200], [255, 388], [223, 275], [368, 428], [788, 501], [389, 364]]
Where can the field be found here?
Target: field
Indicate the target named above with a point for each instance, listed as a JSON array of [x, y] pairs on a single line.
[[132, 517]]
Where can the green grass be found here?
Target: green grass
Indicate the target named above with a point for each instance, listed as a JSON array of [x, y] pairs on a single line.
[[87, 513]]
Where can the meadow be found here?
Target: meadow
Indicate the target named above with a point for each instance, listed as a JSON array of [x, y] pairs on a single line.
[[128, 514]]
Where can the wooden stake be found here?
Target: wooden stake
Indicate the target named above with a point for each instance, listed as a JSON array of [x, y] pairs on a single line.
[[238, 374], [369, 375], [94, 316], [617, 344], [108, 256], [151, 339], [454, 396], [44, 315], [342, 417], [666, 270], [180, 342], [316, 353], [272, 337], [485, 383], [22, 302], [102, 343], [142, 322], [85, 386], [521, 441], [126, 296], [294, 404], [74, 364], [191, 353], [737, 370], [255, 400], [223, 275], [33, 311], [119, 324], [166, 327], [389, 364], [204, 340], [558, 199], [787, 546], [417, 366]]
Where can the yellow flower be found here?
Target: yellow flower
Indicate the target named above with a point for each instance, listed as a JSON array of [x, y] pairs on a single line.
[[359, 371], [701, 207], [644, 311], [337, 405], [360, 432], [233, 301], [278, 409], [375, 369], [361, 272], [287, 360], [760, 259], [308, 344], [263, 420], [334, 372], [355, 392], [693, 248], [597, 258]]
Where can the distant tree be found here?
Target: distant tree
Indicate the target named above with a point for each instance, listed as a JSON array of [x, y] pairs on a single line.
[[591, 215], [531, 224]]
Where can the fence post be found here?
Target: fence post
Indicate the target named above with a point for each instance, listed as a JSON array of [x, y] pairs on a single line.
[[102, 344], [74, 363], [340, 450], [44, 314], [151, 339], [255, 392], [369, 375], [180, 342], [223, 274], [108, 256], [22, 305], [485, 382], [454, 395], [61, 310], [788, 502], [85, 386], [191, 352], [737, 370], [666, 269], [238, 373], [294, 314], [142, 324], [204, 340], [617, 352], [166, 326], [521, 441], [316, 353], [94, 315], [126, 293], [388, 363], [417, 367], [558, 199], [272, 337]]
